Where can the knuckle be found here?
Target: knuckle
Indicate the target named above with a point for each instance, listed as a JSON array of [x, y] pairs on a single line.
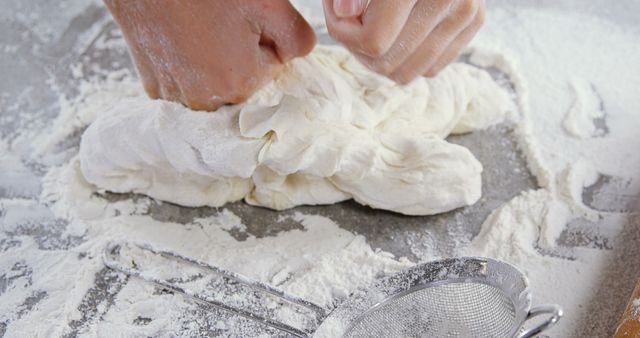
[[381, 66], [376, 45], [431, 50], [384, 68]]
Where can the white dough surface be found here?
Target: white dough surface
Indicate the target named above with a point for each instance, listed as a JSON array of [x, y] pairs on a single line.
[[324, 131]]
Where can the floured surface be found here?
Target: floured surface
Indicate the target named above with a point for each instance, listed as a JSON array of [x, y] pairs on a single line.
[[326, 130], [583, 256], [316, 259]]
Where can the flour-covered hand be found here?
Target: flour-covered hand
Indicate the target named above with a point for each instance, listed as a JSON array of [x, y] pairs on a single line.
[[209, 53], [407, 38]]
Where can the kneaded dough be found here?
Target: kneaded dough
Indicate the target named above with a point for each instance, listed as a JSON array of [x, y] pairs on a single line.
[[326, 130]]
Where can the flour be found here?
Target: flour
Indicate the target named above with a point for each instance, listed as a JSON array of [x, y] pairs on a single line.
[[51, 245], [585, 111], [559, 77], [321, 262], [325, 131], [574, 128]]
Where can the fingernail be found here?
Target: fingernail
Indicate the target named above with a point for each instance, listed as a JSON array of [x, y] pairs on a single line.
[[349, 8]]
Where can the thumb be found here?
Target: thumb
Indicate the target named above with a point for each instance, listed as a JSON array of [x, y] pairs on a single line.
[[349, 8], [286, 31]]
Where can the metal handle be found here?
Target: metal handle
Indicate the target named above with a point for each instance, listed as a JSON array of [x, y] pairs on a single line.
[[553, 310], [112, 251]]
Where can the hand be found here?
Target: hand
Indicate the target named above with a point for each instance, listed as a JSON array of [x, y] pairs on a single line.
[[206, 53], [406, 38]]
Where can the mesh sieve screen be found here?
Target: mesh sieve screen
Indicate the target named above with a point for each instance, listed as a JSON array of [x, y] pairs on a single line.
[[461, 309]]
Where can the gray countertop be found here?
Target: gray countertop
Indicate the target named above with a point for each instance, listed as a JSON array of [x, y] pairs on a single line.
[[40, 40]]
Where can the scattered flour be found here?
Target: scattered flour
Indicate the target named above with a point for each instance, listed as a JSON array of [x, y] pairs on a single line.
[[55, 243], [586, 109], [320, 262], [569, 138]]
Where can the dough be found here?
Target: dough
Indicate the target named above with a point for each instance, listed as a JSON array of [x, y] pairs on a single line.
[[326, 130]]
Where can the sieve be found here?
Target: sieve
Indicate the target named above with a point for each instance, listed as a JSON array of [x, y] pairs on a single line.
[[453, 297]]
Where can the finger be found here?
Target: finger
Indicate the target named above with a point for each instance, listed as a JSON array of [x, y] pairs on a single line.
[[453, 51], [435, 44], [146, 73], [211, 94], [268, 51], [169, 90], [151, 86], [200, 97], [199, 105], [349, 8], [288, 32], [424, 17], [375, 31]]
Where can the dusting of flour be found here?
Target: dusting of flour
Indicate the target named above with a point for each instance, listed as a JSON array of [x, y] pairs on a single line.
[[578, 105], [320, 261]]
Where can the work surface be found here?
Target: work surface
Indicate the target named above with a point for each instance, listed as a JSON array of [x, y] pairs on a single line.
[[42, 41]]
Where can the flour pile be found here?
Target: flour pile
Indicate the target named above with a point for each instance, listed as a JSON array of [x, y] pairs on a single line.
[[326, 130]]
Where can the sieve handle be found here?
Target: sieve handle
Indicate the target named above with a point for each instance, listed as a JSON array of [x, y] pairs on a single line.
[[554, 312], [110, 259]]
